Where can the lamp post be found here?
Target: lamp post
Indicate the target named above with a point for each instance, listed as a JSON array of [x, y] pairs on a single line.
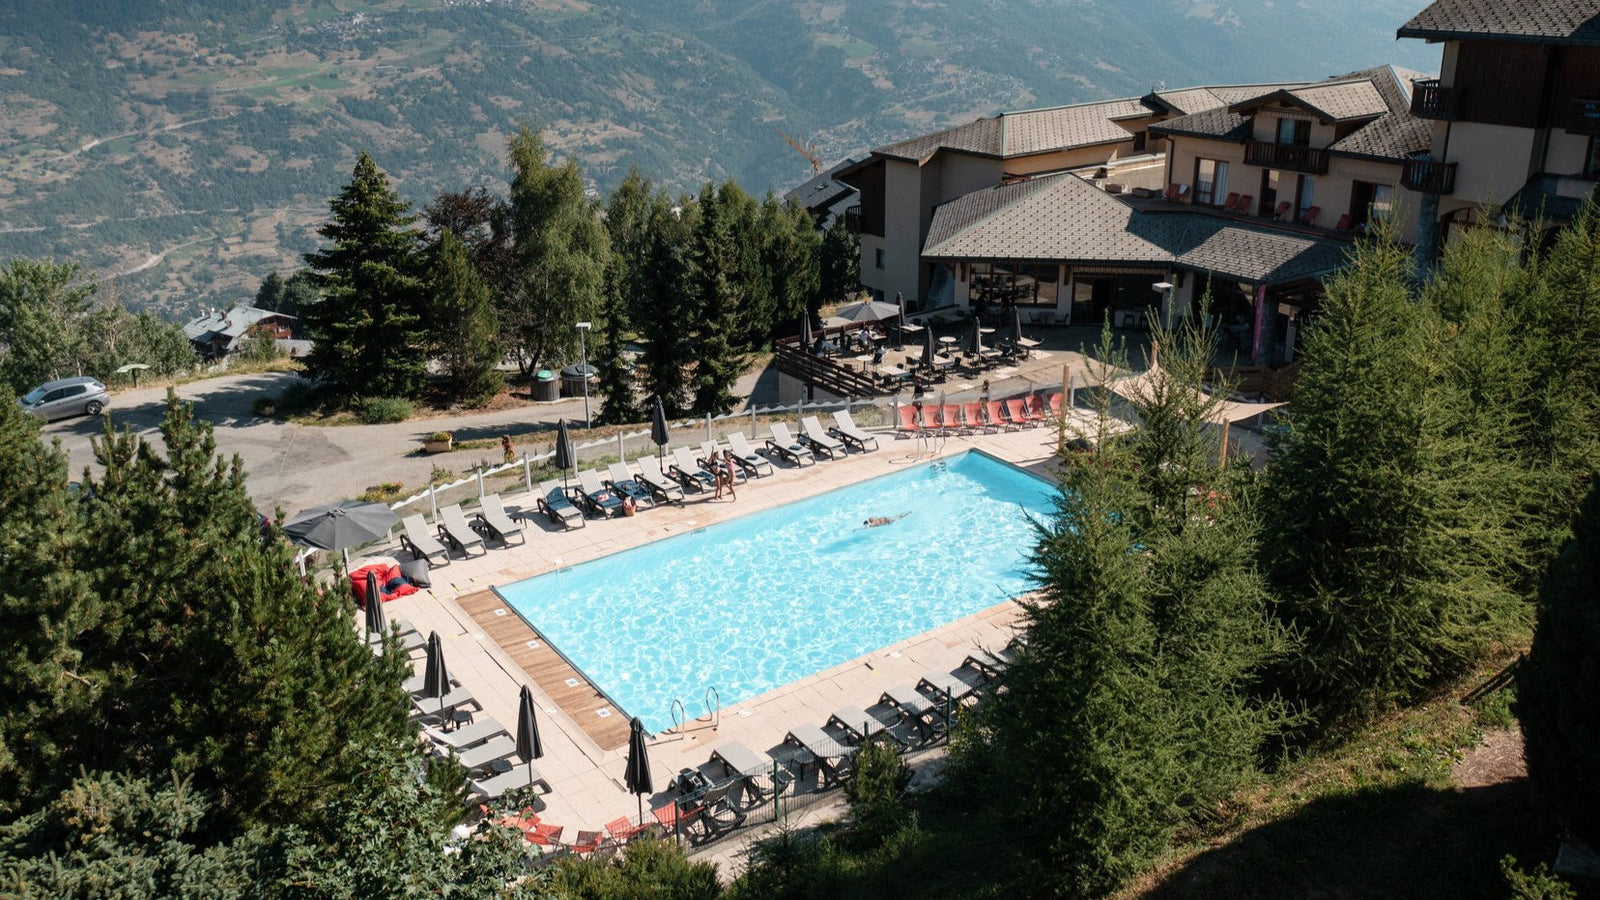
[[583, 373], [1165, 289]]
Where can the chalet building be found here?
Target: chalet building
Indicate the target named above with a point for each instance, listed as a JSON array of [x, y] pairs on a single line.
[[216, 334], [1514, 113]]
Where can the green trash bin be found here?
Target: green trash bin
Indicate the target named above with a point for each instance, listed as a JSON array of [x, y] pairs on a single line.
[[545, 385]]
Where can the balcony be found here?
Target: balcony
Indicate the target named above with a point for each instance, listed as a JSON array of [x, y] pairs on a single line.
[[1583, 116], [1426, 176], [1289, 157], [1432, 100], [852, 219]]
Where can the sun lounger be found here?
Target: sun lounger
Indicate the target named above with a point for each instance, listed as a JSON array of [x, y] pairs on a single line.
[[651, 476], [996, 417], [738, 760], [467, 735], [990, 663], [515, 780], [1017, 412], [623, 830], [485, 754], [429, 707], [595, 496], [622, 481], [456, 533], [844, 428], [946, 686], [1035, 409], [419, 543], [909, 424], [932, 420], [491, 516], [858, 724], [414, 684], [748, 459], [972, 418], [711, 456], [784, 444], [814, 436], [950, 413], [544, 835], [918, 710], [688, 472], [832, 758], [558, 507]]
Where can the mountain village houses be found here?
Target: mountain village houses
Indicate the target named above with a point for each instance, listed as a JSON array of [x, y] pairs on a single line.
[[1252, 193]]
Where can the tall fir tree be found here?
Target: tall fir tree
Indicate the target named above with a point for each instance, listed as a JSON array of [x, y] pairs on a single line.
[[667, 319], [717, 294], [839, 264], [1558, 683], [369, 331], [43, 311], [620, 404], [790, 259], [463, 325], [559, 249]]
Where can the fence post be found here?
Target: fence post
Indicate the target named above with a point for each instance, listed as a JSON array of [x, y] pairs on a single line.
[[433, 499], [621, 452], [777, 792], [480, 482], [527, 472], [752, 420], [708, 426]]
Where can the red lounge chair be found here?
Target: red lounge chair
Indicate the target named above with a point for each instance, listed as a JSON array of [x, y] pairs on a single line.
[[972, 418], [544, 835], [1232, 201], [1245, 202], [623, 830], [1309, 214], [951, 413], [908, 420], [1283, 210], [1036, 409], [588, 841], [930, 418], [1176, 192], [1017, 412], [996, 416], [1345, 223], [1055, 404]]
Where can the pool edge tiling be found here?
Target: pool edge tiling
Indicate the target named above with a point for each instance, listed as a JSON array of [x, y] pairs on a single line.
[[669, 618]]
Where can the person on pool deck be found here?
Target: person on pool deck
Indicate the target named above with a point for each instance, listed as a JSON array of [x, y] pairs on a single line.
[[875, 521], [727, 472]]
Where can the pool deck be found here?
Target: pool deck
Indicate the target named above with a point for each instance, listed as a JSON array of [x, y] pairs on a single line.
[[489, 653]]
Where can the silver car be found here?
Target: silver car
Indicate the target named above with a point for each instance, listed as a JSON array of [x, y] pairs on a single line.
[[80, 396]]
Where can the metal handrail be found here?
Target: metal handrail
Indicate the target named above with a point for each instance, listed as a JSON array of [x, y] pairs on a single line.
[[680, 716], [713, 713]]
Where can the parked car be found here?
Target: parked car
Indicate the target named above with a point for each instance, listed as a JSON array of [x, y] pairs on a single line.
[[81, 396]]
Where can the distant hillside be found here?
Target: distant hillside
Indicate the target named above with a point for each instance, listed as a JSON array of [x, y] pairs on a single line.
[[190, 146]]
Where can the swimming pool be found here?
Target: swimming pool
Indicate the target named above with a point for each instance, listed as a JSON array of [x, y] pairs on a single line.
[[751, 604]]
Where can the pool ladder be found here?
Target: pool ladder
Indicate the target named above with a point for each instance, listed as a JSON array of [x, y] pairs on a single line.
[[680, 716]]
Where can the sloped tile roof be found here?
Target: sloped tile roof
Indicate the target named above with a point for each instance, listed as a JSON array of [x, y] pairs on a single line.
[[1191, 100], [1545, 21], [231, 324], [1343, 102], [981, 137], [1222, 124], [1083, 125], [1062, 218]]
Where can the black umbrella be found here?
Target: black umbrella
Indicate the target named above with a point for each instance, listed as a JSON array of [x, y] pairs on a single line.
[[1016, 326], [927, 346], [658, 427], [343, 525], [975, 339], [900, 318], [377, 622], [805, 332], [529, 747], [435, 678], [637, 778], [566, 456]]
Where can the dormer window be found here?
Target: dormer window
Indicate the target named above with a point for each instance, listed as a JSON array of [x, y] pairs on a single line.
[[1294, 131]]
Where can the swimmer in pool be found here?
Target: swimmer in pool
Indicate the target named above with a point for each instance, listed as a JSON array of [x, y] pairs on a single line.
[[875, 521]]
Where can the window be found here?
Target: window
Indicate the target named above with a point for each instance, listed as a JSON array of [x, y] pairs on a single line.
[[1306, 196], [1294, 131], [1591, 159], [877, 258], [1020, 284], [1210, 181], [1140, 138]]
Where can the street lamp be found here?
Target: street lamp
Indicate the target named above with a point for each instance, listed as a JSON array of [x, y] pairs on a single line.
[[583, 373], [1165, 289]]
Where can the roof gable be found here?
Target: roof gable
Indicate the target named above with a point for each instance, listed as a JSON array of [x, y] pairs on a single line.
[[1333, 102], [1574, 22]]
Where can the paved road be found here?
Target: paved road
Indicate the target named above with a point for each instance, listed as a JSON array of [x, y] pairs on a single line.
[[299, 466]]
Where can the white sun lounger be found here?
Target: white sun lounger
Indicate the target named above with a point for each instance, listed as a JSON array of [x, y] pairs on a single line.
[[454, 530], [467, 735], [493, 518], [752, 462], [812, 433], [475, 758], [651, 476], [844, 427], [519, 777], [784, 444]]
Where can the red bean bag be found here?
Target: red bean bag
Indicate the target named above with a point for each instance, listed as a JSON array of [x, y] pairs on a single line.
[[391, 583]]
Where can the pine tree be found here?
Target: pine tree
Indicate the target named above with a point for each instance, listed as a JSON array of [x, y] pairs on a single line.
[[790, 250], [666, 318], [368, 328], [840, 264], [621, 405], [43, 308], [1558, 684], [464, 327], [718, 297]]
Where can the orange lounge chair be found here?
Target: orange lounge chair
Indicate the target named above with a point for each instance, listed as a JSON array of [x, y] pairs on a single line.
[[1245, 202], [908, 420], [951, 413], [588, 841], [1036, 413], [996, 416], [544, 835], [930, 418], [1017, 412], [1231, 201], [1055, 404], [972, 418], [1309, 214], [1283, 210], [623, 830]]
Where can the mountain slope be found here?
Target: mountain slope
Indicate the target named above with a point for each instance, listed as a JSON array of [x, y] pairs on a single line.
[[190, 146]]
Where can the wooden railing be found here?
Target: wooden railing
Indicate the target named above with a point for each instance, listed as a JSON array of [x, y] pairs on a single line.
[[831, 375], [1432, 100], [1293, 157], [1426, 176]]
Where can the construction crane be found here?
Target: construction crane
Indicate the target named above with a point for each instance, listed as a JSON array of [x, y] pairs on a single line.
[[809, 151]]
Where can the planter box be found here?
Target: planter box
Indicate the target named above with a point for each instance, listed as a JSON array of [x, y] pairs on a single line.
[[438, 446]]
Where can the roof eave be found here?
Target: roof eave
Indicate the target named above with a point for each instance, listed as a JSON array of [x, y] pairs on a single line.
[[1439, 35]]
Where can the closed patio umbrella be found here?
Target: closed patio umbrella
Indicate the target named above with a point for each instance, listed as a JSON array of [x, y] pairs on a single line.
[[637, 777], [927, 346], [975, 338], [900, 320], [529, 747], [566, 456], [435, 678], [341, 526], [1016, 326], [377, 620], [805, 332], [658, 427]]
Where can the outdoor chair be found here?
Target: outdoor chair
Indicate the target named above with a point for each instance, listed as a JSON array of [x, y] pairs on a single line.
[[740, 761], [595, 497], [814, 436], [972, 418], [845, 429], [1017, 412], [516, 779], [831, 757], [917, 710], [651, 476], [711, 457], [748, 459], [622, 481], [414, 684], [688, 472], [544, 835], [784, 444], [996, 417], [587, 842], [1282, 211], [456, 532], [491, 517], [712, 812], [1035, 408], [476, 759], [557, 505], [908, 421], [991, 663], [1309, 215], [416, 540], [1231, 200], [857, 725], [946, 686], [950, 413], [467, 735], [623, 830]]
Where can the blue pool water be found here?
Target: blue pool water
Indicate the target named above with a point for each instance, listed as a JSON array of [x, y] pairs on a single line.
[[763, 600]]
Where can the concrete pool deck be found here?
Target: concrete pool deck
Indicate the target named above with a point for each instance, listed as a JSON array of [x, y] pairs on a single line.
[[586, 777]]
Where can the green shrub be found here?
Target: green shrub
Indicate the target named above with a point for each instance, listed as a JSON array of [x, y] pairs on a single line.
[[874, 792], [1539, 884], [440, 436], [383, 410], [649, 868], [382, 493], [301, 394]]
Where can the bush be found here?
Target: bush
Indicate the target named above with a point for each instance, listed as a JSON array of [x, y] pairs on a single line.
[[383, 410], [440, 436], [1539, 884], [381, 493], [880, 778], [301, 394], [265, 406]]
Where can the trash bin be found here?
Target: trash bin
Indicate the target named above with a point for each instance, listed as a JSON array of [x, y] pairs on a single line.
[[572, 379], [545, 386]]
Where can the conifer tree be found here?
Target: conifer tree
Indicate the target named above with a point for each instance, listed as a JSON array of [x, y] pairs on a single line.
[[718, 296], [790, 259], [43, 307], [840, 264], [1558, 684], [667, 316], [620, 405], [464, 329], [368, 327]]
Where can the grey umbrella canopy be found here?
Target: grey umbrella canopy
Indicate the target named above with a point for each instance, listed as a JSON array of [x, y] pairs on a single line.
[[377, 621], [345, 524], [658, 427], [637, 777], [529, 747], [566, 456], [435, 678], [867, 311]]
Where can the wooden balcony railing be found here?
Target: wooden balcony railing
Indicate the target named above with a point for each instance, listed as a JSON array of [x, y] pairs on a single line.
[[1432, 100], [1291, 157], [834, 376], [852, 219], [1428, 176]]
